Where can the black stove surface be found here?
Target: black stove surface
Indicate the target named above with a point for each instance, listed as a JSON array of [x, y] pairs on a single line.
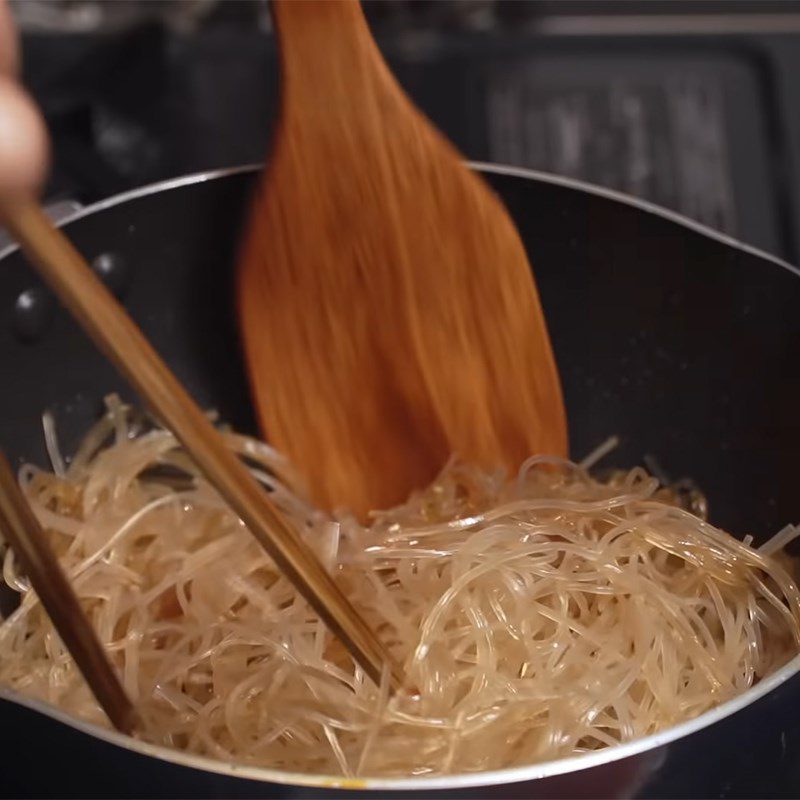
[[705, 124]]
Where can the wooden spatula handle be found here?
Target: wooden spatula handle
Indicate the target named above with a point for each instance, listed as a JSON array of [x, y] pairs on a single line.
[[334, 18], [310, 65]]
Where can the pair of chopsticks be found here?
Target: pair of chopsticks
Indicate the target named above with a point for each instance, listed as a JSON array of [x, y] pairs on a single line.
[[123, 343]]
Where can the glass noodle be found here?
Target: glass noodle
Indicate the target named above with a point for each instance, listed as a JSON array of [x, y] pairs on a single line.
[[536, 618]]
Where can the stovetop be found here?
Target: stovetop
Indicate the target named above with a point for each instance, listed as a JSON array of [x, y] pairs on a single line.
[[706, 123]]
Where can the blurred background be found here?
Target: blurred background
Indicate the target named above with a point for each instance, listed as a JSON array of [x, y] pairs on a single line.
[[689, 104]]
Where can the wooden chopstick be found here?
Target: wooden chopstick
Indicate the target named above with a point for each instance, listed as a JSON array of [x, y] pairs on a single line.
[[22, 531], [123, 343]]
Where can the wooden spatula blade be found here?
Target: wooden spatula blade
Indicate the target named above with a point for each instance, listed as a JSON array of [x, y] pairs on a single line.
[[388, 312]]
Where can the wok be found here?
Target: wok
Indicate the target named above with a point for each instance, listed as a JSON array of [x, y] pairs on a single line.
[[682, 342]]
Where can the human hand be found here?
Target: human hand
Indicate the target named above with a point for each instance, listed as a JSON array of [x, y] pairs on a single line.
[[23, 138]]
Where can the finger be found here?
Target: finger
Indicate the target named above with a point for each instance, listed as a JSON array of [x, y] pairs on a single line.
[[23, 142], [9, 44]]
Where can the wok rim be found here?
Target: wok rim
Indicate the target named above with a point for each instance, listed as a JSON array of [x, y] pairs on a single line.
[[485, 167], [509, 775], [465, 780]]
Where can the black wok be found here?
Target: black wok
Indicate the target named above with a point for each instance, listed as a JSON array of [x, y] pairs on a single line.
[[683, 343]]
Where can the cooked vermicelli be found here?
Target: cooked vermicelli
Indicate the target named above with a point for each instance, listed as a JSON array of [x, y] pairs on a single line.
[[536, 618]]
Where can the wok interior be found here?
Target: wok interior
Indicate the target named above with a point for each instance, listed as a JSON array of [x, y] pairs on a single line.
[[683, 346]]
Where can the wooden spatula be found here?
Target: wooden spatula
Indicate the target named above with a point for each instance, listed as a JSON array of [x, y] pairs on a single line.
[[388, 312]]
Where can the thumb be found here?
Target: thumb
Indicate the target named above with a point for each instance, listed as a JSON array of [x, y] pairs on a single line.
[[23, 142], [23, 138]]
